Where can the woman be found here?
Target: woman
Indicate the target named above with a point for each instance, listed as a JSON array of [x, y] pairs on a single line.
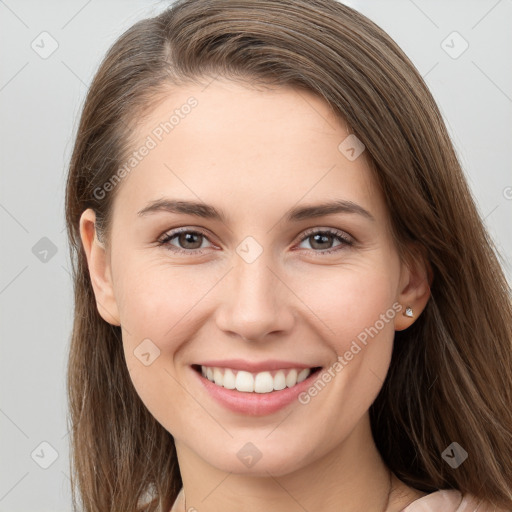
[[338, 335]]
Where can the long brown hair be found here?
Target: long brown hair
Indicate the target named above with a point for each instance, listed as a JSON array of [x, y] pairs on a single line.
[[450, 378]]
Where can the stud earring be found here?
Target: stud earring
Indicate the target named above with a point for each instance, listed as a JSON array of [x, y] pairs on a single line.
[[408, 312]]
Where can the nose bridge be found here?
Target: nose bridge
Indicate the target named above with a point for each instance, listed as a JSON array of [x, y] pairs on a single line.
[[255, 305], [255, 284]]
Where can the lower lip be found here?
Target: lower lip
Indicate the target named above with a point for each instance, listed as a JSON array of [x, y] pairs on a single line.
[[255, 404]]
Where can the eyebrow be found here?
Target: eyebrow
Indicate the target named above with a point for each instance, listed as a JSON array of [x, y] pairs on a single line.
[[294, 215]]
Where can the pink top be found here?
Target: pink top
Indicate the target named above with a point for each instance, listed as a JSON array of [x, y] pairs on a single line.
[[449, 501], [440, 501]]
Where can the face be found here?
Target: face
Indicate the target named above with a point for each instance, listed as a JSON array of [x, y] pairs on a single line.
[[254, 280]]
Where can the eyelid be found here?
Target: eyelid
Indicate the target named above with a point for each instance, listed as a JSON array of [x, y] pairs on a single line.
[[176, 231], [331, 231]]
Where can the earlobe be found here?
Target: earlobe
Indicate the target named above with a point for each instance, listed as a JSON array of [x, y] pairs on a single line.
[[99, 268], [414, 292]]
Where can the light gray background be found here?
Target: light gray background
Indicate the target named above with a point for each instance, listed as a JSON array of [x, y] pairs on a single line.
[[40, 100]]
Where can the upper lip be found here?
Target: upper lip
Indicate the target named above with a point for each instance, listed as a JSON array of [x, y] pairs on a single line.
[[253, 366]]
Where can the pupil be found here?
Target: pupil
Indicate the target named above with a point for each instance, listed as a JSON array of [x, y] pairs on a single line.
[[188, 238], [320, 238]]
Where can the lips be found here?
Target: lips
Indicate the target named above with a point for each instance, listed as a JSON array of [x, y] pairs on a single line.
[[274, 384]]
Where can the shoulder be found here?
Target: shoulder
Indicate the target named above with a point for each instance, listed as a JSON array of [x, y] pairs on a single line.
[[470, 503], [451, 500]]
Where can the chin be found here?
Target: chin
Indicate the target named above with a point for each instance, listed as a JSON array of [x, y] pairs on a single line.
[[258, 457]]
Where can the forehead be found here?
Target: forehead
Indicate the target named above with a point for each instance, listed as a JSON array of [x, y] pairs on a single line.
[[227, 143]]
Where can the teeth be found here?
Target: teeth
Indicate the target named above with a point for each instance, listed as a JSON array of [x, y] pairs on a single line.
[[244, 382], [291, 379], [262, 382], [303, 375], [279, 380], [218, 377], [229, 379]]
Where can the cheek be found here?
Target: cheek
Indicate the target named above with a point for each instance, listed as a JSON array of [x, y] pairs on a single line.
[[355, 310], [161, 309], [156, 310], [158, 301], [349, 300]]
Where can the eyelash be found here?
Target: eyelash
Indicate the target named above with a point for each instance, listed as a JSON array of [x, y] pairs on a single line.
[[345, 240]]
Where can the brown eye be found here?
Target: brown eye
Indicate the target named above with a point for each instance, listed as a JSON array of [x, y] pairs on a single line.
[[321, 240], [187, 241]]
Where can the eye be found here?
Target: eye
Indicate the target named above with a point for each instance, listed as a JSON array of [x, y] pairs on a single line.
[[321, 239], [190, 240]]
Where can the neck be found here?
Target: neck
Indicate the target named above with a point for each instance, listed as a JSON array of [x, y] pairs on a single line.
[[350, 477]]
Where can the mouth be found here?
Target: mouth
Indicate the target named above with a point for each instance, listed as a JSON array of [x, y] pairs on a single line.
[[264, 382]]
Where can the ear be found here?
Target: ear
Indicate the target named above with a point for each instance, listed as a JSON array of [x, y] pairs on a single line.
[[414, 289], [98, 261]]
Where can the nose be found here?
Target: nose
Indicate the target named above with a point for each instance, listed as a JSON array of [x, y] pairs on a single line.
[[257, 303]]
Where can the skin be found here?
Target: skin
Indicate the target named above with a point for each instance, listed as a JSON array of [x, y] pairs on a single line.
[[255, 154]]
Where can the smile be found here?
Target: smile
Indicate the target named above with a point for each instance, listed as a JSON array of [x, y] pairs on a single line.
[[261, 382]]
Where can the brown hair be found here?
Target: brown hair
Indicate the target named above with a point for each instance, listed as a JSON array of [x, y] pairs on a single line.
[[450, 377]]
